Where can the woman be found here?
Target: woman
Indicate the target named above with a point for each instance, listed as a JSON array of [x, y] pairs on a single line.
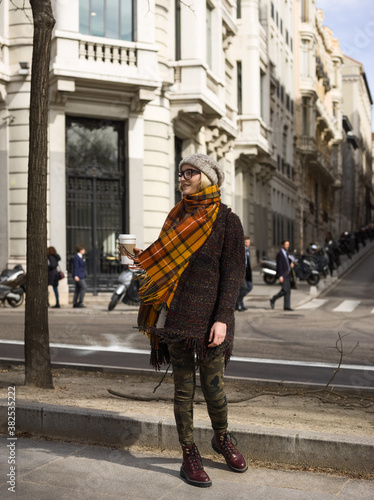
[[192, 276], [53, 276]]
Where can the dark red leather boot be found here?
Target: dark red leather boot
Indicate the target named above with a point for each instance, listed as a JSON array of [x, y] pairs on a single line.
[[221, 443], [192, 469]]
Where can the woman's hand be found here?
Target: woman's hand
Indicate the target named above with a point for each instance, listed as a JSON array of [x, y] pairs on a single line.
[[136, 251], [217, 334]]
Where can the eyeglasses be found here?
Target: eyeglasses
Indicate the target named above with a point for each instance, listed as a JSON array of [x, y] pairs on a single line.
[[188, 173]]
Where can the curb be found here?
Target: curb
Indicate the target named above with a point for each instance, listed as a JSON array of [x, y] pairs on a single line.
[[354, 454]]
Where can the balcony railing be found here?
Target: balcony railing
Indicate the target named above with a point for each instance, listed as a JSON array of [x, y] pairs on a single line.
[[83, 56], [307, 144], [107, 53]]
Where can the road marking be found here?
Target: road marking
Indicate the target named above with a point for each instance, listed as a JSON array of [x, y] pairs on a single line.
[[111, 348], [313, 304], [130, 350], [300, 363], [347, 306]]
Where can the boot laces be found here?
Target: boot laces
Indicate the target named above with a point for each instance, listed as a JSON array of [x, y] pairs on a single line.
[[226, 442], [195, 458]]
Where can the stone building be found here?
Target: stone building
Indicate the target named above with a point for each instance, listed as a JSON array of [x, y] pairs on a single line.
[[357, 181], [318, 115], [264, 150], [134, 86]]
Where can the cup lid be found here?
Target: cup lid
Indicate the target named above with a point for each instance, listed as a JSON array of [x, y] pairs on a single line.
[[127, 236]]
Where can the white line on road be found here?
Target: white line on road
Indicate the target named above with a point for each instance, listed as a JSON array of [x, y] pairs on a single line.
[[130, 350], [313, 304], [347, 306]]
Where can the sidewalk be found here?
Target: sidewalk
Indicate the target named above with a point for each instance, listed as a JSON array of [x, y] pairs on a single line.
[[64, 471]]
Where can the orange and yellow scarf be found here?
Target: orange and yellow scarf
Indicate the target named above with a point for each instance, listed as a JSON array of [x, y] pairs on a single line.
[[185, 230]]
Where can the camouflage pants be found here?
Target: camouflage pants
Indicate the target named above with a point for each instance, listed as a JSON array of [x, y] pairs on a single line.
[[211, 379]]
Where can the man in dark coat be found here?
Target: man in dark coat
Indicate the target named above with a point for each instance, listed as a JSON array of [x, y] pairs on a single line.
[[284, 265], [79, 275], [247, 284]]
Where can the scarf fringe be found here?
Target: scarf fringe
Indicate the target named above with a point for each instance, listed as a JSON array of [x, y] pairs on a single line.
[[160, 352], [159, 356]]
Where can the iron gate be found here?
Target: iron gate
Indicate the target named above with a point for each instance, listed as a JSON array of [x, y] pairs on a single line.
[[96, 196]]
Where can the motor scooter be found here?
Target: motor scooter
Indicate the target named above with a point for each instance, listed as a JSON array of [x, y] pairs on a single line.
[[269, 270], [127, 290], [305, 269], [319, 256], [13, 286]]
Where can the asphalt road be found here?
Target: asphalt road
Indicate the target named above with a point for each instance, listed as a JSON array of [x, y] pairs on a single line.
[[299, 346]]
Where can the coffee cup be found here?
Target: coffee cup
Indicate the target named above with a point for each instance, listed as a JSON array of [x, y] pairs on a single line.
[[127, 242]]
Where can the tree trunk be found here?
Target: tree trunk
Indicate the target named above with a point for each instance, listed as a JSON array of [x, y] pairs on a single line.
[[37, 355]]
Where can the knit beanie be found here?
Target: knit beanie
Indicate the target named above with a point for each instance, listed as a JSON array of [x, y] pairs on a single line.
[[207, 165]]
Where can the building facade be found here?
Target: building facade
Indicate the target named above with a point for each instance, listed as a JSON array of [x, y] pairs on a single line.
[[265, 188], [318, 115], [357, 185], [133, 88], [135, 85]]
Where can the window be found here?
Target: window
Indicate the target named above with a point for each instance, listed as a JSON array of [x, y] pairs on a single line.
[[281, 26], [305, 58], [306, 116], [107, 18], [262, 94], [272, 10], [316, 202], [239, 9], [287, 36], [178, 47], [240, 88], [285, 139], [304, 11], [335, 75], [209, 35]]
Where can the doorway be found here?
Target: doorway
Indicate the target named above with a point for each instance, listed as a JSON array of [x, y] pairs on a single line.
[[96, 196]]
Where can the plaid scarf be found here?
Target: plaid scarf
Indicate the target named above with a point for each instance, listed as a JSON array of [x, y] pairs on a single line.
[[185, 230]]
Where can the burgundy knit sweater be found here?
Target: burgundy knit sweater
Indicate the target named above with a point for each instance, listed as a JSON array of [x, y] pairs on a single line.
[[207, 291]]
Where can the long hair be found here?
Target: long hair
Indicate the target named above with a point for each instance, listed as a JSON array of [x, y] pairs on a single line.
[[51, 251]]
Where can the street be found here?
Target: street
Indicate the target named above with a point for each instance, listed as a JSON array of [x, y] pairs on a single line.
[[301, 346]]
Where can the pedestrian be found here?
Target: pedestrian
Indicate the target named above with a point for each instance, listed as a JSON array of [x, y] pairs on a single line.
[[192, 275], [247, 285], [332, 251], [79, 275], [284, 266], [53, 274]]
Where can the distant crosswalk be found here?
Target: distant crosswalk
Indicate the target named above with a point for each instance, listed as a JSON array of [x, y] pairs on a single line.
[[345, 306]]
